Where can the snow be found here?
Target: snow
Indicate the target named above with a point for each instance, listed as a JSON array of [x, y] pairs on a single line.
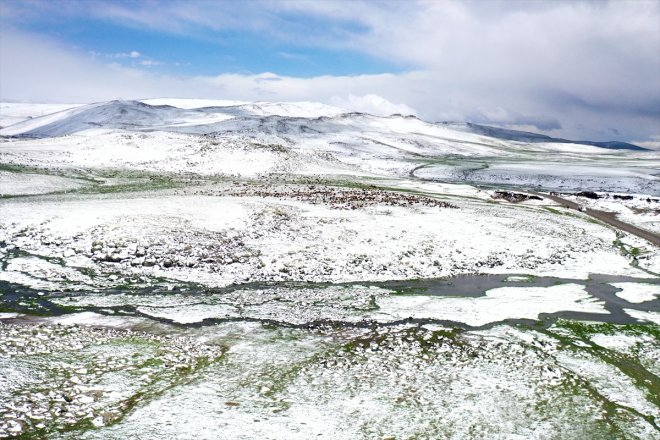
[[545, 172], [188, 103], [346, 147], [641, 210], [136, 115], [292, 109], [274, 239], [12, 184], [620, 342], [312, 138], [187, 314], [91, 318], [43, 271], [280, 248], [300, 385], [497, 305], [15, 112], [154, 152], [609, 382], [637, 292], [5, 315], [644, 316], [62, 116]]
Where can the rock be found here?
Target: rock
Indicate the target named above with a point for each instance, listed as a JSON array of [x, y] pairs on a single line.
[[15, 427], [148, 262], [619, 197], [512, 197], [167, 262], [112, 258], [588, 195]]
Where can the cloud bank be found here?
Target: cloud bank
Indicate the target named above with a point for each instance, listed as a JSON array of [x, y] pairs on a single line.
[[579, 69]]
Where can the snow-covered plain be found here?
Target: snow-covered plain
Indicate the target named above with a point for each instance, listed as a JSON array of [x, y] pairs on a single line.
[[285, 244]]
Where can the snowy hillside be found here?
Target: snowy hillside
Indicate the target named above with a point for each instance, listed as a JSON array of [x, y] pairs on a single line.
[[230, 137], [159, 114], [524, 136], [15, 112], [207, 116], [291, 262]]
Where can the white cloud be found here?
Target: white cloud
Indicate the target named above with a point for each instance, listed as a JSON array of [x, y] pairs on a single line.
[[653, 143], [577, 69], [132, 54], [151, 63], [118, 55]]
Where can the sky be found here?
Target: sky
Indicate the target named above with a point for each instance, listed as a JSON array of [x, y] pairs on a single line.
[[576, 69]]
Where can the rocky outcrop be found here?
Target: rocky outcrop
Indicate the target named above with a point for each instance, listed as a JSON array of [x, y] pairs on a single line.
[[514, 197]]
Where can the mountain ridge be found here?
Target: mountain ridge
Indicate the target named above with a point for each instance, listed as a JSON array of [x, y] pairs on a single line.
[[134, 114], [531, 137]]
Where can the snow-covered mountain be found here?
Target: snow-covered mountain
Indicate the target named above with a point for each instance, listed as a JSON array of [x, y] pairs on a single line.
[[206, 136], [138, 115], [526, 136], [208, 116]]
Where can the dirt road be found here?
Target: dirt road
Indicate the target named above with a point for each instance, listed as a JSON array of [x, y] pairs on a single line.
[[609, 218]]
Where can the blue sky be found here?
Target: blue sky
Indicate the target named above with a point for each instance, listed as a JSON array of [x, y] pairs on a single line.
[[579, 69], [205, 51]]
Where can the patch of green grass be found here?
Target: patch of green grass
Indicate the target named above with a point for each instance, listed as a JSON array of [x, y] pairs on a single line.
[[15, 168], [134, 186], [588, 329], [627, 364], [595, 222], [70, 174], [605, 427]]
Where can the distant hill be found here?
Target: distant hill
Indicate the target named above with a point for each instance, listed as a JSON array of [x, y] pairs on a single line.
[[302, 120], [526, 136]]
